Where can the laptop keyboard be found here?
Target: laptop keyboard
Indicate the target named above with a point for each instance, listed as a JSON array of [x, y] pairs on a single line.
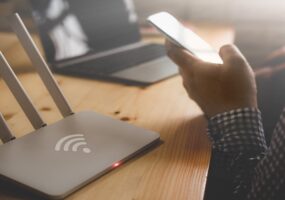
[[119, 61]]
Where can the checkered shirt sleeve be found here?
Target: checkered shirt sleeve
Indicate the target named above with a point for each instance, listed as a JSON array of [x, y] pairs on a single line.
[[268, 182], [238, 145]]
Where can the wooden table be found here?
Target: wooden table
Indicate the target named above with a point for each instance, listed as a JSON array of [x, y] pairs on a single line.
[[175, 170]]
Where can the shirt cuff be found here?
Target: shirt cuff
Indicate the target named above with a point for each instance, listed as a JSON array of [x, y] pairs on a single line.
[[237, 131]]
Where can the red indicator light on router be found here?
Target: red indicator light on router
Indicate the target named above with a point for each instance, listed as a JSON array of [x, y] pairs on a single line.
[[117, 164]]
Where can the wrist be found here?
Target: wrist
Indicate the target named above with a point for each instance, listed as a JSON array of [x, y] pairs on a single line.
[[229, 108], [237, 130], [228, 105]]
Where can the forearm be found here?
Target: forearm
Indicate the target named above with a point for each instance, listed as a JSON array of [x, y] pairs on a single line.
[[268, 182], [238, 144]]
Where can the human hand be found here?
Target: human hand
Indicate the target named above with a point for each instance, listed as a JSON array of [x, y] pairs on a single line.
[[216, 88], [273, 65], [275, 58]]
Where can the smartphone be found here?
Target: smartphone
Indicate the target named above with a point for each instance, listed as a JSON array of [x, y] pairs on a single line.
[[173, 30]]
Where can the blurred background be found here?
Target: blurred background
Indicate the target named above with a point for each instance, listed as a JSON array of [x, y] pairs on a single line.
[[259, 24]]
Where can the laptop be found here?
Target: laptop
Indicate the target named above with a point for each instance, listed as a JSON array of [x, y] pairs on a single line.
[[98, 39]]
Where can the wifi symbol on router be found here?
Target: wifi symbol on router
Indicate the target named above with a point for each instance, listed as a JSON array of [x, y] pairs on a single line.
[[72, 143]]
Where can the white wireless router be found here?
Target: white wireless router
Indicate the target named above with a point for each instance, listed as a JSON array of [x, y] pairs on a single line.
[[57, 159]]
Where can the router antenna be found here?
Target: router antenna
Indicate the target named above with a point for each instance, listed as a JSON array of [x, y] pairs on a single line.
[[40, 64], [20, 94], [5, 133]]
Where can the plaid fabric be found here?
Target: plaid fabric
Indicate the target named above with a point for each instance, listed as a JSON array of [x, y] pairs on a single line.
[[269, 177], [242, 157]]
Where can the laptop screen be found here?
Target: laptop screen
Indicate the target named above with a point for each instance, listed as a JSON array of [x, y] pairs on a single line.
[[72, 28]]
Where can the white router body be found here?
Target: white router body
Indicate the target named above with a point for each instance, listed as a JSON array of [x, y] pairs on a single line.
[[58, 159]]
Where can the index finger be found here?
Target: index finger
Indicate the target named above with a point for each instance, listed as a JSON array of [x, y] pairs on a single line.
[[180, 56]]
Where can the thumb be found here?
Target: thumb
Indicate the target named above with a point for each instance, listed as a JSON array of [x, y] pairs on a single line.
[[230, 54]]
